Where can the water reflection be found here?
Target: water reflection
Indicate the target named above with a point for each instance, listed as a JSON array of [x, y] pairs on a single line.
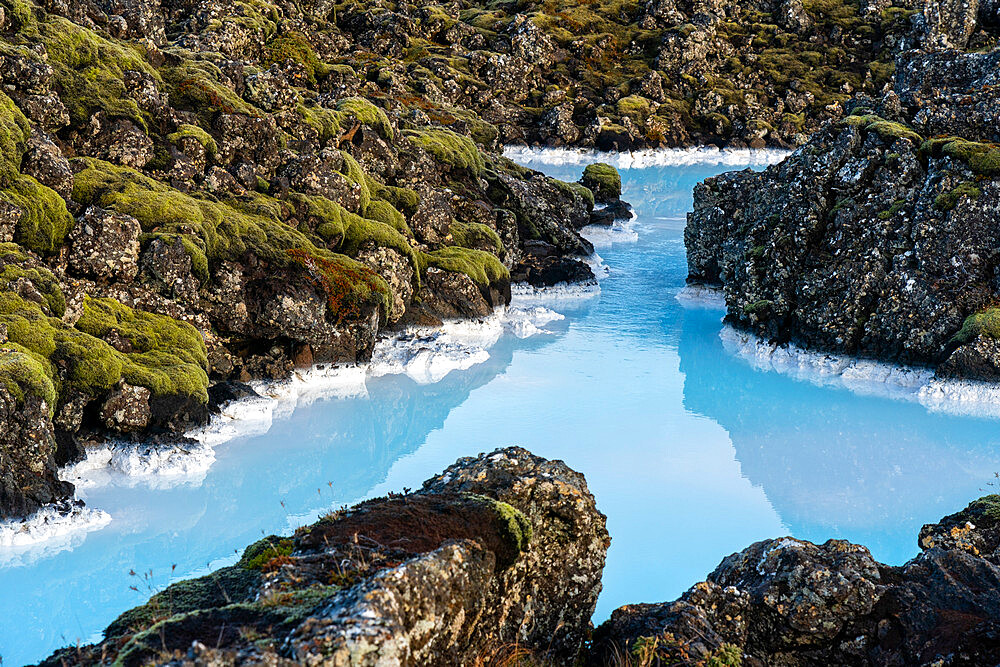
[[834, 463]]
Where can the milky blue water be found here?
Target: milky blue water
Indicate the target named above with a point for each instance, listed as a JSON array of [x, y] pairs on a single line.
[[690, 452]]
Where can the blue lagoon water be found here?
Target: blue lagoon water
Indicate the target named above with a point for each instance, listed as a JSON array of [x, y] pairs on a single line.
[[691, 453]]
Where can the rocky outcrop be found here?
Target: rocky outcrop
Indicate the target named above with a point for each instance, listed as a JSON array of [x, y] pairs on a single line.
[[187, 200], [877, 238], [791, 602], [500, 552]]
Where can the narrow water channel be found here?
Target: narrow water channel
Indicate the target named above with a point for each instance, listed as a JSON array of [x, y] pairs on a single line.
[[691, 451]]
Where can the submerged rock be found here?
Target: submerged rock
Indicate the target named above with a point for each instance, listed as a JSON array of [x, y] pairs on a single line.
[[502, 550]]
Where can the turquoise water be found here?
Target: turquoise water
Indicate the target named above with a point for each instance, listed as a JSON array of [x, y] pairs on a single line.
[[691, 453]]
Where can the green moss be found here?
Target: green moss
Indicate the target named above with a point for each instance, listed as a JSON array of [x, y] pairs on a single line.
[[201, 136], [727, 655], [982, 158], [984, 323], [475, 235], [515, 525], [366, 113], [483, 267], [603, 180], [450, 148], [576, 190], [294, 46], [44, 221], [196, 85], [14, 132], [758, 307], [13, 262], [168, 356], [23, 372], [355, 174], [384, 212], [218, 589], [888, 130], [403, 199], [983, 512], [635, 107], [260, 552], [896, 207], [90, 70], [21, 12], [230, 231], [325, 121], [946, 201]]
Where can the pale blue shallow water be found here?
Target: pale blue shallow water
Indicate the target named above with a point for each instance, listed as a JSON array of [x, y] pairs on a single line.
[[690, 452]]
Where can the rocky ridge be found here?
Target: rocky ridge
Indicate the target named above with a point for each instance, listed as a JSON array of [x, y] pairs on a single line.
[[625, 75], [877, 238], [500, 551]]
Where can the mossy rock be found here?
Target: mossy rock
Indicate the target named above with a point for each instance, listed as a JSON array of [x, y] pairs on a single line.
[[484, 268], [348, 232], [294, 46], [983, 513], [44, 221], [946, 201], [452, 149], [90, 70], [888, 130], [984, 323], [262, 551], [404, 200], [576, 190], [14, 132], [366, 113], [195, 84], [475, 235], [168, 356], [223, 587], [983, 159], [603, 181], [201, 136], [235, 230], [514, 526]]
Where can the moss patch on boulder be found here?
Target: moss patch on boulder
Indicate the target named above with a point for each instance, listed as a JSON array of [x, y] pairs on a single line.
[[603, 181]]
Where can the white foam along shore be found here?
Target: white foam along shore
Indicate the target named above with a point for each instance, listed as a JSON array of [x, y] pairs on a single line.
[[866, 377], [862, 376], [672, 157], [424, 354], [48, 531], [700, 296]]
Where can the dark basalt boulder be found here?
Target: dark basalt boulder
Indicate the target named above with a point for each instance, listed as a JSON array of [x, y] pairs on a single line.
[[790, 602], [877, 238], [502, 550], [548, 271], [28, 478]]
